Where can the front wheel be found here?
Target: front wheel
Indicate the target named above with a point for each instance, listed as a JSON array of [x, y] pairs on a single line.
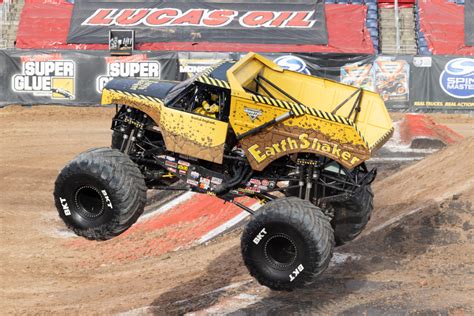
[[287, 244], [100, 193]]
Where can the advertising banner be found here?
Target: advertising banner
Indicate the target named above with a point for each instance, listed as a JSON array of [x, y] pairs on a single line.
[[72, 77], [239, 21], [359, 76], [77, 77], [392, 77], [442, 82], [469, 23], [191, 63]]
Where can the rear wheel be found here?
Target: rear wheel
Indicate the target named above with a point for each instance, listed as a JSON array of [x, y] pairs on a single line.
[[287, 244], [100, 193], [351, 216]]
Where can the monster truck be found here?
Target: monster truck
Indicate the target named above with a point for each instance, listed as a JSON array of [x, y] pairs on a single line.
[[249, 128]]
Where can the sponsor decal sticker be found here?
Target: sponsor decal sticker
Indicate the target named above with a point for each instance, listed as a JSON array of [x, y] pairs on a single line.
[[192, 182], [457, 78], [171, 164], [182, 168], [253, 113], [184, 163], [204, 183], [173, 170], [215, 180]]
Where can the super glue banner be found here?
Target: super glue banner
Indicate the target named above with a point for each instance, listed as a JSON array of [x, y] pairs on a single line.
[[71, 77]]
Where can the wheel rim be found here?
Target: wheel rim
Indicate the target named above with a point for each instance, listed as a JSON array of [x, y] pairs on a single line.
[[280, 251], [89, 202]]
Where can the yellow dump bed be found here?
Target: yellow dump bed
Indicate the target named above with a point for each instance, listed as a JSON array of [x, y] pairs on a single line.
[[261, 81]]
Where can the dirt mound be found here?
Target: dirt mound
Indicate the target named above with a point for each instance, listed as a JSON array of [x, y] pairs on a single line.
[[437, 177], [411, 267]]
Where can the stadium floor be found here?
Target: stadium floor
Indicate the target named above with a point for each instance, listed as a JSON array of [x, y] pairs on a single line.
[[416, 254]]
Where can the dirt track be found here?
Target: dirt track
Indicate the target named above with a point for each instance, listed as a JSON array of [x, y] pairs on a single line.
[[422, 263]]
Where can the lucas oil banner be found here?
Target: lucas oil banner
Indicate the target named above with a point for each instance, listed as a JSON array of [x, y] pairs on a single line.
[[71, 77], [238, 21]]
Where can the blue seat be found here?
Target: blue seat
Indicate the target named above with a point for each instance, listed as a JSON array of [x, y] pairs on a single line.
[[372, 24], [422, 41], [342, 1], [374, 32], [372, 6], [330, 1], [370, 1], [424, 51], [357, 1], [372, 15], [460, 2]]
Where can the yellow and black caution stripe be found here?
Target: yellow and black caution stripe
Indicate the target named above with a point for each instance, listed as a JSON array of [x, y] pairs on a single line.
[[300, 109], [360, 133], [135, 95], [382, 139], [214, 82]]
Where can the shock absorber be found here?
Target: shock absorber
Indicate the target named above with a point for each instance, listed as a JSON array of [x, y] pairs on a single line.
[[309, 182], [300, 171]]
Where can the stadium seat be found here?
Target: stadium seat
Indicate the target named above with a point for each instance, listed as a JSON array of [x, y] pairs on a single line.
[[342, 1], [375, 40], [357, 1], [370, 1], [374, 32], [422, 41], [372, 15], [460, 1], [424, 50], [372, 23], [372, 6], [330, 1]]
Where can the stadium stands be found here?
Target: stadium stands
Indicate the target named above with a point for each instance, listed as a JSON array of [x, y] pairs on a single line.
[[9, 17], [426, 27], [45, 25], [406, 23], [440, 28]]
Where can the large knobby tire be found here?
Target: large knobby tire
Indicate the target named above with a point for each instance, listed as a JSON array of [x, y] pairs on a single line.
[[351, 216], [287, 244], [100, 193]]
